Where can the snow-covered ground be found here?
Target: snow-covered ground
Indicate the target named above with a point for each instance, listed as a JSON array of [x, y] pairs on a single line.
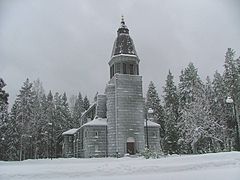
[[220, 166]]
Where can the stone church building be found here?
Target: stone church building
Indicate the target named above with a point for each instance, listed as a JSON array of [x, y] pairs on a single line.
[[116, 123]]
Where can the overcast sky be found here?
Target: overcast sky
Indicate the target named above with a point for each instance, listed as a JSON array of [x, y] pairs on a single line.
[[67, 43]]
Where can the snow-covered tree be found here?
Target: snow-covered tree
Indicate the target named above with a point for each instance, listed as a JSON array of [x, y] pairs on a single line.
[[3, 94], [51, 123], [21, 123], [191, 91], [43, 129], [38, 88], [220, 110], [153, 101], [13, 134], [3, 120], [86, 103], [39, 119], [78, 110], [72, 101], [231, 77], [209, 92], [95, 97], [171, 108], [190, 85], [200, 131], [66, 115], [215, 107]]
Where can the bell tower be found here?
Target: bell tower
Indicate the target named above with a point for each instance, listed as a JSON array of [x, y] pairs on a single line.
[[125, 104], [124, 59]]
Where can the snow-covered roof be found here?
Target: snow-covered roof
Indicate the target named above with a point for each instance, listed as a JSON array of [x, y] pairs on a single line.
[[97, 122], [70, 131], [89, 109], [123, 43], [129, 55], [151, 124]]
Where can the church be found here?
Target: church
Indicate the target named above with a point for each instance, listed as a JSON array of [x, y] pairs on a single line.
[[116, 123]]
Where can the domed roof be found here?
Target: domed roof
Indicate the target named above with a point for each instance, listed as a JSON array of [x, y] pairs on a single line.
[[123, 43]]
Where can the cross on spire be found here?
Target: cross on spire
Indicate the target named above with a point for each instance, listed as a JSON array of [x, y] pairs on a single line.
[[123, 28], [122, 20]]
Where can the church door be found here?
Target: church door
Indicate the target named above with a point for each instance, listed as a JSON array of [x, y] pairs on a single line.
[[131, 145], [130, 148]]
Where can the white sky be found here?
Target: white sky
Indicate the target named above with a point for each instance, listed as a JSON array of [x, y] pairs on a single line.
[[68, 43]]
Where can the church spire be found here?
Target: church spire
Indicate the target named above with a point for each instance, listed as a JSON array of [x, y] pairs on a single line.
[[124, 59], [123, 22], [123, 43], [123, 28]]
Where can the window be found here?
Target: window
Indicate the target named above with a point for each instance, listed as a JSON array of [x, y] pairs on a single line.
[[112, 71], [131, 68], [69, 138], [118, 67], [96, 134], [154, 134], [137, 70], [124, 68]]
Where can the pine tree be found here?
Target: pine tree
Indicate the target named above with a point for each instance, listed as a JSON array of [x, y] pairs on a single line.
[[72, 101], [232, 82], [197, 127], [171, 108], [86, 103], [57, 119], [38, 88], [39, 119], [220, 109], [20, 129], [231, 75], [208, 89], [95, 97], [191, 91], [3, 120], [66, 115], [77, 111], [3, 94], [218, 133], [190, 85], [13, 134], [153, 101], [51, 124], [42, 141]]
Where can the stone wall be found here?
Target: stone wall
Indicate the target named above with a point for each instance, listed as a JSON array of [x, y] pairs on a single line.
[[94, 141], [68, 150], [125, 113], [110, 92], [101, 108]]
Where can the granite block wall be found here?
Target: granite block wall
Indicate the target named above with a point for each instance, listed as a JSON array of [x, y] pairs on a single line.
[[94, 141], [125, 113], [101, 108]]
